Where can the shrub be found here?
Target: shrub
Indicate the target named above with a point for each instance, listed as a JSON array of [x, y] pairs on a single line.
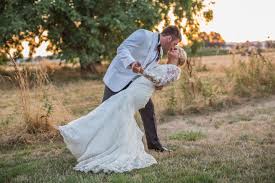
[[252, 77]]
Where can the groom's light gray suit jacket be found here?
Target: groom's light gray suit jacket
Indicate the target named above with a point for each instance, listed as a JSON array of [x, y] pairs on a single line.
[[139, 46]]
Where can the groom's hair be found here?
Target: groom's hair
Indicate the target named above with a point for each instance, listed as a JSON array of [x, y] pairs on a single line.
[[172, 31]]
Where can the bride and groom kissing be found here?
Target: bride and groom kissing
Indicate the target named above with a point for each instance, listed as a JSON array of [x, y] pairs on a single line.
[[108, 138]]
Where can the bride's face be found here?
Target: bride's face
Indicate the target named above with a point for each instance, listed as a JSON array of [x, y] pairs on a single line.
[[168, 43], [173, 56]]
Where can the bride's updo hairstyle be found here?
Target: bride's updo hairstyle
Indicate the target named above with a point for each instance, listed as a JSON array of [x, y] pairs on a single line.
[[182, 56]]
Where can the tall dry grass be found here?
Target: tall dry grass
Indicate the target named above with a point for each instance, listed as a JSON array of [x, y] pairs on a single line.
[[198, 90], [195, 92], [251, 77], [40, 105]]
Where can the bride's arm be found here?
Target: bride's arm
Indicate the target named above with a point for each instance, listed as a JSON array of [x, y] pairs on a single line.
[[171, 74]]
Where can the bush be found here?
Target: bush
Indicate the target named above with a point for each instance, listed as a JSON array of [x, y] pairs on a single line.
[[252, 77], [3, 59], [192, 92], [40, 106], [244, 78]]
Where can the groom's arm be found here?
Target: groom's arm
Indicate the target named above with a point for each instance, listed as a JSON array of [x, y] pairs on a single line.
[[133, 42]]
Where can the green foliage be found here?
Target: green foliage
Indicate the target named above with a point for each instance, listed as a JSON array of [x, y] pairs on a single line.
[[3, 59], [203, 51], [195, 47], [206, 88], [172, 102], [47, 107], [88, 30]]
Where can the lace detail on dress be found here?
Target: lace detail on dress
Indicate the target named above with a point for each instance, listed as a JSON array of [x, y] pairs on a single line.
[[108, 138], [163, 75], [120, 163]]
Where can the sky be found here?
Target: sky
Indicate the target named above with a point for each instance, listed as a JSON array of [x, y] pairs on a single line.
[[242, 20]]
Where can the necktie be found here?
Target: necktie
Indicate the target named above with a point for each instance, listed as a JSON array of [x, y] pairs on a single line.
[[158, 53], [157, 57]]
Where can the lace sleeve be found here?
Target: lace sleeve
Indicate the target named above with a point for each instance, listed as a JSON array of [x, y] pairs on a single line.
[[152, 77], [171, 74]]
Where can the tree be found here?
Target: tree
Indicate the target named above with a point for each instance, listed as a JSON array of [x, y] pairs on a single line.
[[189, 12], [213, 39], [89, 30]]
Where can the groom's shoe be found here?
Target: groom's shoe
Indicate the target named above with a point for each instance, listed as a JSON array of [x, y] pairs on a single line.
[[160, 149]]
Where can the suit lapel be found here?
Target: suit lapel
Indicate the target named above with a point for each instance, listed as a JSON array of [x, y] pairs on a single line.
[[151, 49]]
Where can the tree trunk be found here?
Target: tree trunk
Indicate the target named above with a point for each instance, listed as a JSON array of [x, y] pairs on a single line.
[[88, 69]]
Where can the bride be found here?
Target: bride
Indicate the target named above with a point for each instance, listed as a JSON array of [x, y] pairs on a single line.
[[108, 138]]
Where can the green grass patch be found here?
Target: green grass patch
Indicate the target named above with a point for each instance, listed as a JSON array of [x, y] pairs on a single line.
[[205, 164], [187, 136]]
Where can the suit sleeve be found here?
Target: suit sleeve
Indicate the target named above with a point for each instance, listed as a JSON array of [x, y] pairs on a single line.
[[134, 41]]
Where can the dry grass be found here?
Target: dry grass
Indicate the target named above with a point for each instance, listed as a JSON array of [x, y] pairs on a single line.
[[252, 77], [213, 139], [242, 151], [202, 88], [205, 87], [40, 107]]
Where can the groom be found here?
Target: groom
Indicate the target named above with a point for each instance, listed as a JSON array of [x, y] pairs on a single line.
[[143, 48]]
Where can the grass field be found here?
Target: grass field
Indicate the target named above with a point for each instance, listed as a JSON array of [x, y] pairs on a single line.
[[218, 137]]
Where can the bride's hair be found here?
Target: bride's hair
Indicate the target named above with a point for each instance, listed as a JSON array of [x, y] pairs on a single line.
[[182, 56]]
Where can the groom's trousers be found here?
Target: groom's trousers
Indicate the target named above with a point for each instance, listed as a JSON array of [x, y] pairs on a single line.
[[148, 118]]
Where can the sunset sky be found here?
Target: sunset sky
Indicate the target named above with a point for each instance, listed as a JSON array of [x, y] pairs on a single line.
[[242, 20]]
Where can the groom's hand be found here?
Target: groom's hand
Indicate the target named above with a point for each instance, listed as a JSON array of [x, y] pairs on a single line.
[[136, 67]]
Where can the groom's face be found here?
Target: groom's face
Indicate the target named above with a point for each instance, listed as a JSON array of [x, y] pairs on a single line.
[[169, 44]]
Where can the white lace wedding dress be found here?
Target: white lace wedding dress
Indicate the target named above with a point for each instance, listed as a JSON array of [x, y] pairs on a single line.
[[108, 138]]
